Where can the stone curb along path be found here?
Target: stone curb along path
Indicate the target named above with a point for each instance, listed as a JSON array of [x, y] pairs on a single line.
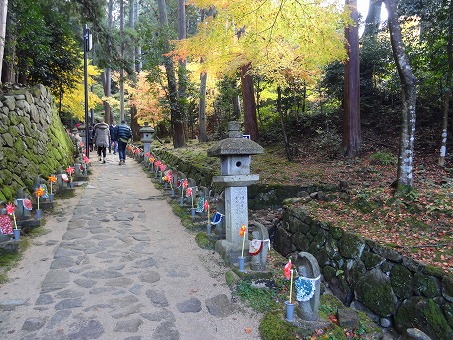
[[116, 263]]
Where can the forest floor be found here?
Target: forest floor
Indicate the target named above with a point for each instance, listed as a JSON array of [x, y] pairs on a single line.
[[420, 224]]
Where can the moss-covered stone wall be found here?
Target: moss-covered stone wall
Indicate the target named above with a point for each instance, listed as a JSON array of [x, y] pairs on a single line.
[[392, 289], [33, 141]]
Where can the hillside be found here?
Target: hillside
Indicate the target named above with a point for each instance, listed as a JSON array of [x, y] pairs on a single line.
[[420, 224]]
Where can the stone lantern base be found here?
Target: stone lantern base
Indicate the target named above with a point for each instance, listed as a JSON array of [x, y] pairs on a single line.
[[230, 251]]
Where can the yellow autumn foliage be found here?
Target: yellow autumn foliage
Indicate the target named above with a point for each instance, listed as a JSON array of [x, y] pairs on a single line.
[[280, 39], [74, 99]]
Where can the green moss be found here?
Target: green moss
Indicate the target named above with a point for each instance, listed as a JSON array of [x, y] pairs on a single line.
[[19, 146], [437, 321], [434, 271], [230, 278], [7, 193], [328, 305], [273, 327], [375, 291], [203, 241], [426, 285], [351, 246], [402, 281]]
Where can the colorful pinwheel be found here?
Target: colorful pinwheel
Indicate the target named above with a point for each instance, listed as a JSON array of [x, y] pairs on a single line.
[[39, 192], [189, 193], [70, 171], [243, 233], [288, 271], [10, 210], [52, 180]]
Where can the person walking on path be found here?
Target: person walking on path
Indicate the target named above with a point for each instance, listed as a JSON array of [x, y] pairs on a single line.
[[122, 133], [113, 138], [102, 139]]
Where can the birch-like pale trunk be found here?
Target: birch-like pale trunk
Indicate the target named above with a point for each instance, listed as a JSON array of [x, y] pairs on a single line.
[[3, 12], [447, 95], [409, 96]]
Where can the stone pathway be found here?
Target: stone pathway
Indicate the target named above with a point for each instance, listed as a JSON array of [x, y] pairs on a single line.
[[116, 263]]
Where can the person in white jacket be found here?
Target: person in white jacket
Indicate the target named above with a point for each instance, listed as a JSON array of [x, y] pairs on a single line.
[[102, 139]]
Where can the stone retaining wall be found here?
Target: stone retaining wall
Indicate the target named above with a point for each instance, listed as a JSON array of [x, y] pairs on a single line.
[[33, 140], [392, 289]]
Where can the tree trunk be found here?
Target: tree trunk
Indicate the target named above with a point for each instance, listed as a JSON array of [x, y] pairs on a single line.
[[236, 106], [134, 124], [447, 94], [248, 100], [122, 58], [182, 72], [409, 97], [107, 78], [3, 12], [138, 48], [282, 122], [176, 121], [352, 134], [202, 109], [373, 19], [8, 72], [131, 27]]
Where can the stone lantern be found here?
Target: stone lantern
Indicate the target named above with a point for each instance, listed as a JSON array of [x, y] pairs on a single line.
[[81, 131], [146, 137], [235, 157]]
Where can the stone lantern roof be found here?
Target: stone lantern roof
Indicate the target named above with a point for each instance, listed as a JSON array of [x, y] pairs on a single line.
[[235, 144]]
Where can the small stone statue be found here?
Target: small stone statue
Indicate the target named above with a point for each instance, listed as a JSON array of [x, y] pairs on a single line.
[[307, 286], [259, 247]]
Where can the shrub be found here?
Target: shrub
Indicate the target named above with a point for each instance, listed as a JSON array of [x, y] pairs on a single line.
[[383, 158]]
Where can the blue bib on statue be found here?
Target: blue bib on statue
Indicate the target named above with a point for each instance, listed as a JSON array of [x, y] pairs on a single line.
[[305, 288]]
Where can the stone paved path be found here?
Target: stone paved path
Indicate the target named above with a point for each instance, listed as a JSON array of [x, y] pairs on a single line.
[[116, 263]]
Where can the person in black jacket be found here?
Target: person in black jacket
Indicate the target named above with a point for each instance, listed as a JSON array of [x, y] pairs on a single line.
[[122, 133], [113, 138]]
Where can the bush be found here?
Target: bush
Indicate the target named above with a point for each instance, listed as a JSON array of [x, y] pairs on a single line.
[[383, 158], [274, 327]]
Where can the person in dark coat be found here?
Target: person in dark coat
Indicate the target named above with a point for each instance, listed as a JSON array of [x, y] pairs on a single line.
[[113, 140], [122, 133], [102, 139], [90, 137]]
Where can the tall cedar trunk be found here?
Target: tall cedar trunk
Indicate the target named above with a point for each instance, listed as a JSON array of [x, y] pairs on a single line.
[[107, 78], [248, 100], [134, 124], [352, 134], [8, 73], [176, 121], [107, 71], [447, 94], [182, 73], [131, 27], [409, 97], [138, 48], [203, 137], [373, 19], [282, 122], [122, 58], [3, 12], [133, 109]]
